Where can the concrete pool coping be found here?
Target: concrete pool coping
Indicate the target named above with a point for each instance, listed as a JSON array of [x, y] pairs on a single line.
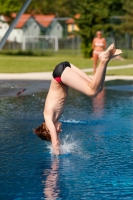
[[48, 75], [35, 82]]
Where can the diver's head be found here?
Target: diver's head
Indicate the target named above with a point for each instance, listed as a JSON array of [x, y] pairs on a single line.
[[43, 132]]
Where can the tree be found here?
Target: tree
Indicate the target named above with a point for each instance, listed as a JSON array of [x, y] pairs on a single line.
[[9, 6], [122, 24], [127, 20], [94, 15], [59, 8]]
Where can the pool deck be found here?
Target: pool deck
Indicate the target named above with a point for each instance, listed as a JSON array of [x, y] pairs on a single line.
[[48, 75], [10, 84]]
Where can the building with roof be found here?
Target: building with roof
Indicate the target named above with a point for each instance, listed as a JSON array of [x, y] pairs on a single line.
[[25, 26], [49, 25], [29, 25], [3, 25], [72, 26]]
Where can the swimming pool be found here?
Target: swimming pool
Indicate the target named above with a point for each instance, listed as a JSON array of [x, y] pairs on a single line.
[[97, 146]]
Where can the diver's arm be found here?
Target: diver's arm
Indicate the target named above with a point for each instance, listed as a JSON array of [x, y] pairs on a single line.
[[54, 137]]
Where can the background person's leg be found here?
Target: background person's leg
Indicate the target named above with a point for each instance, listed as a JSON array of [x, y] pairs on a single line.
[[95, 62]]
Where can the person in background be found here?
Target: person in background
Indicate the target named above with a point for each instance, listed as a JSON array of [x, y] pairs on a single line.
[[98, 45]]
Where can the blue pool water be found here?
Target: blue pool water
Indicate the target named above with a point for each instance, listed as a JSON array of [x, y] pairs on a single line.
[[97, 148]]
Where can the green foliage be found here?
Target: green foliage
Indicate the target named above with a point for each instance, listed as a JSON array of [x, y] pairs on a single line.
[[26, 53], [9, 6], [94, 16], [59, 8], [123, 21], [127, 20], [86, 50], [116, 7]]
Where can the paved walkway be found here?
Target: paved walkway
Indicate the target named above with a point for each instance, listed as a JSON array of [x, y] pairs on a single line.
[[10, 84], [48, 75]]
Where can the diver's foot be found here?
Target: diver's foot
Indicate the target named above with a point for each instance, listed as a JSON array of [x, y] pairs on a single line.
[[117, 52], [110, 53]]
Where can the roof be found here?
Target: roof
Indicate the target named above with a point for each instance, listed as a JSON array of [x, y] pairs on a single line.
[[7, 19], [44, 20], [71, 20], [23, 19]]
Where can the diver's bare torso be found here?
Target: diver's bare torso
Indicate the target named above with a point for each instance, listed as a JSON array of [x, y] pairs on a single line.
[[55, 101]]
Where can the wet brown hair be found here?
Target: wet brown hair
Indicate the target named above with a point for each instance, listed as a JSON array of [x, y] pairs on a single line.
[[43, 132]]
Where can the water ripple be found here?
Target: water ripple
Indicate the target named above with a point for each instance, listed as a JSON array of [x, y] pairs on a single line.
[[97, 149]]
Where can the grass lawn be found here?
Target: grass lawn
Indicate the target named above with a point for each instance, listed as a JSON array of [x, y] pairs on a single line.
[[121, 72], [22, 64]]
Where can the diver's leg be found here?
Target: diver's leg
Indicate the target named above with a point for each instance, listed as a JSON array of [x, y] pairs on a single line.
[[73, 79]]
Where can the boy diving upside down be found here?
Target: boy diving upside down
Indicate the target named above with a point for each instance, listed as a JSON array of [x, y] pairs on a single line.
[[67, 75]]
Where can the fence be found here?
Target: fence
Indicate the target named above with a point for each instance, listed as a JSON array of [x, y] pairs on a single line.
[[45, 43], [52, 43]]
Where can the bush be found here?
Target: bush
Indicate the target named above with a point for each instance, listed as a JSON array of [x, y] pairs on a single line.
[[87, 50], [26, 53]]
